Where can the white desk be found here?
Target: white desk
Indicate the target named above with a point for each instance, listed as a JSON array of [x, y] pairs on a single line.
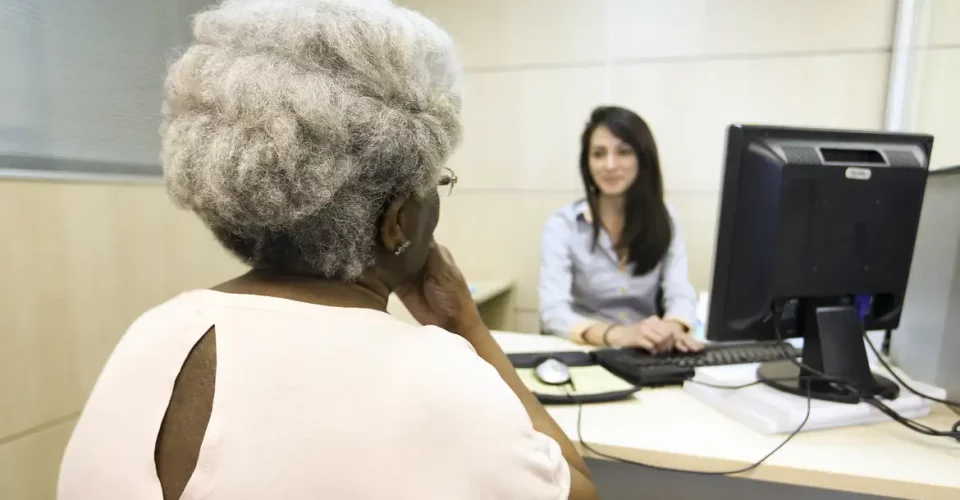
[[494, 298], [668, 427], [485, 291]]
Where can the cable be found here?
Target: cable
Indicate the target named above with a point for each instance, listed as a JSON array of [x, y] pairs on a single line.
[[748, 468], [869, 398], [743, 386], [726, 387], [910, 423], [899, 380]]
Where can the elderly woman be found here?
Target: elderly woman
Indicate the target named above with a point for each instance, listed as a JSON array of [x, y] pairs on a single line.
[[309, 136]]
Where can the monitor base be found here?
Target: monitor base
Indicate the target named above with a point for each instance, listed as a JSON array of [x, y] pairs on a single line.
[[786, 376], [833, 351]]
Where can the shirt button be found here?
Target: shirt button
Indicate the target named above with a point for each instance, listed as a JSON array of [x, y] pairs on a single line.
[[623, 290], [623, 315]]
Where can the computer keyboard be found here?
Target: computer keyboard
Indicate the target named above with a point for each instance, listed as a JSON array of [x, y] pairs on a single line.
[[718, 354], [652, 370], [641, 368]]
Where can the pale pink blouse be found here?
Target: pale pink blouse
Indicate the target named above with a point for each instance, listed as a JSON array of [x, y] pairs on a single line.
[[311, 402]]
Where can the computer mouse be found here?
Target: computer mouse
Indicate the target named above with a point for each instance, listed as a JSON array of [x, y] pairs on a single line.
[[552, 372]]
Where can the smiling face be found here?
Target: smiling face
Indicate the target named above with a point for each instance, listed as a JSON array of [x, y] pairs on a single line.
[[613, 163]]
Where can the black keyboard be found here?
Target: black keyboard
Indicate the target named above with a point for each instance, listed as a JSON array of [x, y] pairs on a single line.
[[644, 369], [712, 355]]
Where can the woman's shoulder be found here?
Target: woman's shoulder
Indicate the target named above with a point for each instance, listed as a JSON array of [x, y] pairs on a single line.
[[567, 215], [571, 210]]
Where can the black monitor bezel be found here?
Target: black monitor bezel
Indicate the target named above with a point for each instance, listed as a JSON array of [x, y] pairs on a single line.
[[738, 138]]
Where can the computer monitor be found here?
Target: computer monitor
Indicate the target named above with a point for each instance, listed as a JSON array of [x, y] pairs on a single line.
[[815, 239]]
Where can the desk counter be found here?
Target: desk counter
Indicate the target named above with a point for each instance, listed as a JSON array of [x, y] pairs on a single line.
[[669, 428]]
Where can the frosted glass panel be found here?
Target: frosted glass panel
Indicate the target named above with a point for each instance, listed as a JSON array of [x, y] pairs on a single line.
[[81, 81]]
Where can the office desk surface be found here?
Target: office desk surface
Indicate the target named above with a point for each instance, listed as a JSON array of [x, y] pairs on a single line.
[[484, 291], [669, 428]]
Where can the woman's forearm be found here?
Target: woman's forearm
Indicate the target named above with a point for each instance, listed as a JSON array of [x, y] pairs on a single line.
[[479, 336], [594, 334]]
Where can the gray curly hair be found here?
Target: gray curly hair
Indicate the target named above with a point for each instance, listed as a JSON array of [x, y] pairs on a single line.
[[289, 125]]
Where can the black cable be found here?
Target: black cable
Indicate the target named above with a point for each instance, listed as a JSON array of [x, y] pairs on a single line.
[[742, 386], [955, 430], [869, 398], [909, 423], [899, 380], [748, 468], [726, 387]]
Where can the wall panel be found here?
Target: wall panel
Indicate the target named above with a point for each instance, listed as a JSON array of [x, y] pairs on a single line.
[[521, 129], [508, 33], [29, 466], [689, 105], [79, 263], [703, 28], [938, 103]]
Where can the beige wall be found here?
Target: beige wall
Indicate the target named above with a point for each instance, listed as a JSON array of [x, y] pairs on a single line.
[[78, 263], [935, 107], [535, 68]]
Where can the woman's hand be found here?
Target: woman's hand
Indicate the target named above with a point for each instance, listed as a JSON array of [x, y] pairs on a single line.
[[441, 297], [655, 335], [652, 334], [683, 341], [687, 343]]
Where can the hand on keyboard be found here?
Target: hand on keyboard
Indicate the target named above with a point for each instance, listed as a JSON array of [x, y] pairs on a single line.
[[687, 343], [654, 335]]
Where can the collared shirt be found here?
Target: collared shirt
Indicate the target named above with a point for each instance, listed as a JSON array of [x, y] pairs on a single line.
[[581, 286]]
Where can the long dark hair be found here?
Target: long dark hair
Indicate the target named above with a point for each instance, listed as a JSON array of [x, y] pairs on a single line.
[[647, 230]]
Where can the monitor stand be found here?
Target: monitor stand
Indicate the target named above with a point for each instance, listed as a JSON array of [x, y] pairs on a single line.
[[832, 345]]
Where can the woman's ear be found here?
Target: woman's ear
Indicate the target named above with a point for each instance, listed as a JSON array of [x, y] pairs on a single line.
[[392, 234]]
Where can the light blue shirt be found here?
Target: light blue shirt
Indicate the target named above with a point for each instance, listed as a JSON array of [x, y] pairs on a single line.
[[580, 286]]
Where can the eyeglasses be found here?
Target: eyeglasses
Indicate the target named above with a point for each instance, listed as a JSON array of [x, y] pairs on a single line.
[[448, 180]]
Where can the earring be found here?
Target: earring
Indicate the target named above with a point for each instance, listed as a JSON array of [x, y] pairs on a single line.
[[402, 248]]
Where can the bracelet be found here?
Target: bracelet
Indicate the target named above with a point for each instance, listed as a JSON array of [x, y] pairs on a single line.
[[605, 334]]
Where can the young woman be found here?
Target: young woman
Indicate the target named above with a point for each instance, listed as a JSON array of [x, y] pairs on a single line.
[[613, 267]]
